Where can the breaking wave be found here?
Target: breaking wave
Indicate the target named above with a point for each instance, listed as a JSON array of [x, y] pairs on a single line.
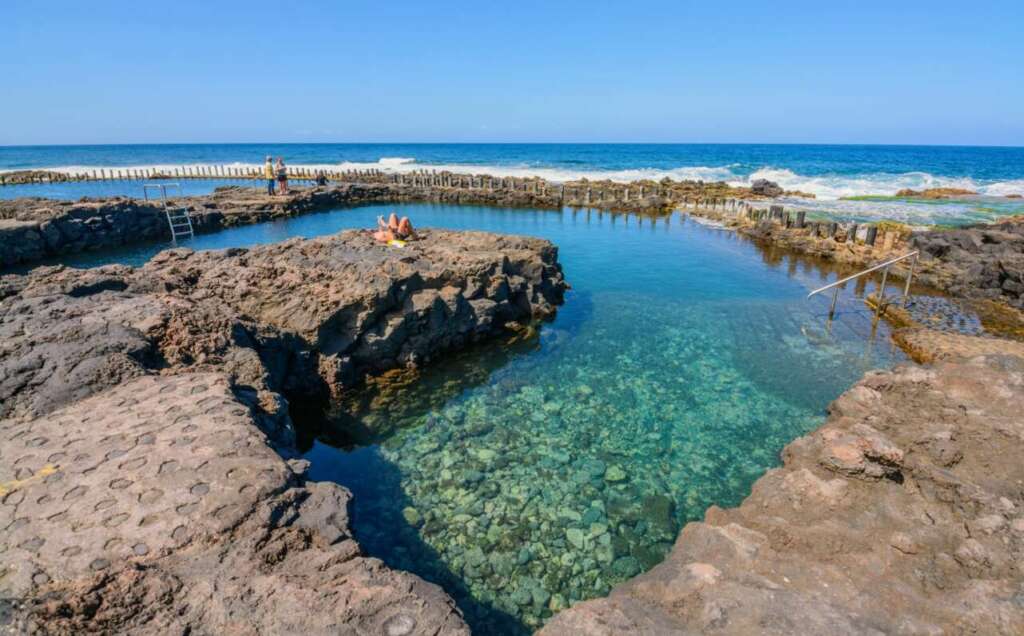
[[825, 187]]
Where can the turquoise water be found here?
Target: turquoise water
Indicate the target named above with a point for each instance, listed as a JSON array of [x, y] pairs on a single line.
[[72, 190], [528, 475], [830, 172]]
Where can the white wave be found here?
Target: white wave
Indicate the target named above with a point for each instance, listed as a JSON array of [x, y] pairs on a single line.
[[825, 187], [1004, 188], [408, 164], [395, 161], [833, 187]]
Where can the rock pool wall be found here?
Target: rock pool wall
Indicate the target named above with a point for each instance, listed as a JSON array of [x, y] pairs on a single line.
[[140, 407], [902, 514], [32, 229]]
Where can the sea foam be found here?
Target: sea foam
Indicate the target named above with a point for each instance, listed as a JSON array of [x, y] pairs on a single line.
[[824, 187]]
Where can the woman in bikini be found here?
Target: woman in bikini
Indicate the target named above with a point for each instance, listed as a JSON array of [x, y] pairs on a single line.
[[394, 229]]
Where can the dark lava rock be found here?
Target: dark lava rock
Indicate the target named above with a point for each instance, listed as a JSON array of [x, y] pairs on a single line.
[[142, 407], [766, 188]]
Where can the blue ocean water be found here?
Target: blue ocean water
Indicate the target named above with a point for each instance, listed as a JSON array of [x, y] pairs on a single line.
[[982, 165], [527, 475], [831, 173]]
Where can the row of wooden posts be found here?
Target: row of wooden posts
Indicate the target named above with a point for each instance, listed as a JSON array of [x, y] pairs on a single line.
[[184, 172], [420, 178], [584, 194], [868, 234]]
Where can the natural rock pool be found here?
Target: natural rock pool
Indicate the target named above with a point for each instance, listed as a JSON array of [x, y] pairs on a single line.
[[524, 477]]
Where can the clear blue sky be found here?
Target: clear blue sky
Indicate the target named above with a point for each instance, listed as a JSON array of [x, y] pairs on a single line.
[[830, 72]]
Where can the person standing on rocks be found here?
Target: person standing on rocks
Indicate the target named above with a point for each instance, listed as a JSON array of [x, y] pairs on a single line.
[[282, 176], [268, 172]]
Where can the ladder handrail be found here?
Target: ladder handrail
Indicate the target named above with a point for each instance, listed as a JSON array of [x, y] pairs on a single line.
[[171, 212], [162, 187], [884, 266], [867, 271]]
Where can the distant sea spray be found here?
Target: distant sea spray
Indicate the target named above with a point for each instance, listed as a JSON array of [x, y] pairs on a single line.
[[833, 174], [824, 187]]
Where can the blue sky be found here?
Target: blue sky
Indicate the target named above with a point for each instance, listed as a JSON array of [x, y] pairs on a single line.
[[803, 72]]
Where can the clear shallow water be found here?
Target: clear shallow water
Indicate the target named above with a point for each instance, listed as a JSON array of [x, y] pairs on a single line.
[[829, 172], [525, 477]]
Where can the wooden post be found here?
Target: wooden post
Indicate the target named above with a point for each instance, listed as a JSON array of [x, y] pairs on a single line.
[[869, 238], [889, 240], [851, 234], [801, 218]]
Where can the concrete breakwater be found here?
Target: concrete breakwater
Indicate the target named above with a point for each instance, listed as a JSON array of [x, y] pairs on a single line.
[[142, 408]]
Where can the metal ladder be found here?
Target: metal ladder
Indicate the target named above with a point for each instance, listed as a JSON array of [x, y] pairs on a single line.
[[178, 218], [884, 266]]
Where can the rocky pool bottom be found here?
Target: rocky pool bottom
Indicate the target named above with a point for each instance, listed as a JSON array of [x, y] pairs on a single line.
[[527, 477], [572, 468]]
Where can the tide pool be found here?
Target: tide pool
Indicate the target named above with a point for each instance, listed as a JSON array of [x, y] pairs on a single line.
[[526, 475]]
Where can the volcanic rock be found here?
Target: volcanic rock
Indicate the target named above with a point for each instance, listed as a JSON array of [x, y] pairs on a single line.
[[767, 188], [147, 471]]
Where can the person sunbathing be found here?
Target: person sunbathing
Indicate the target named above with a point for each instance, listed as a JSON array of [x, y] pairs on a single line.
[[393, 229], [405, 230]]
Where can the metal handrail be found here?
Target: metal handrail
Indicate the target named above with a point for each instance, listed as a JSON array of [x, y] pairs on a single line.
[[881, 289], [169, 209], [162, 187]]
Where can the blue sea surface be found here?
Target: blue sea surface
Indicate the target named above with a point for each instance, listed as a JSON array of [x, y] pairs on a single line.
[[832, 173], [526, 475], [984, 164]]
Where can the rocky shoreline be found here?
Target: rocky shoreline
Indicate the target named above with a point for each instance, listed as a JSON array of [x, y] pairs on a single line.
[[147, 469], [903, 513], [982, 262]]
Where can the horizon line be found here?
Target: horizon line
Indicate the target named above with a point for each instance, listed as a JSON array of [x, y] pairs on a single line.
[[509, 143]]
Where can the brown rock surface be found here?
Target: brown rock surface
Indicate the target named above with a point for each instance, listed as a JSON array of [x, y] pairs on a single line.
[[140, 490], [157, 507], [935, 193], [928, 345], [903, 514], [298, 318]]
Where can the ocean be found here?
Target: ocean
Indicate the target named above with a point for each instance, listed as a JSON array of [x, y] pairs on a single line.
[[839, 176]]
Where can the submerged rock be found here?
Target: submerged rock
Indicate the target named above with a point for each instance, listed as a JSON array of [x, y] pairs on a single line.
[[615, 474], [902, 513]]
